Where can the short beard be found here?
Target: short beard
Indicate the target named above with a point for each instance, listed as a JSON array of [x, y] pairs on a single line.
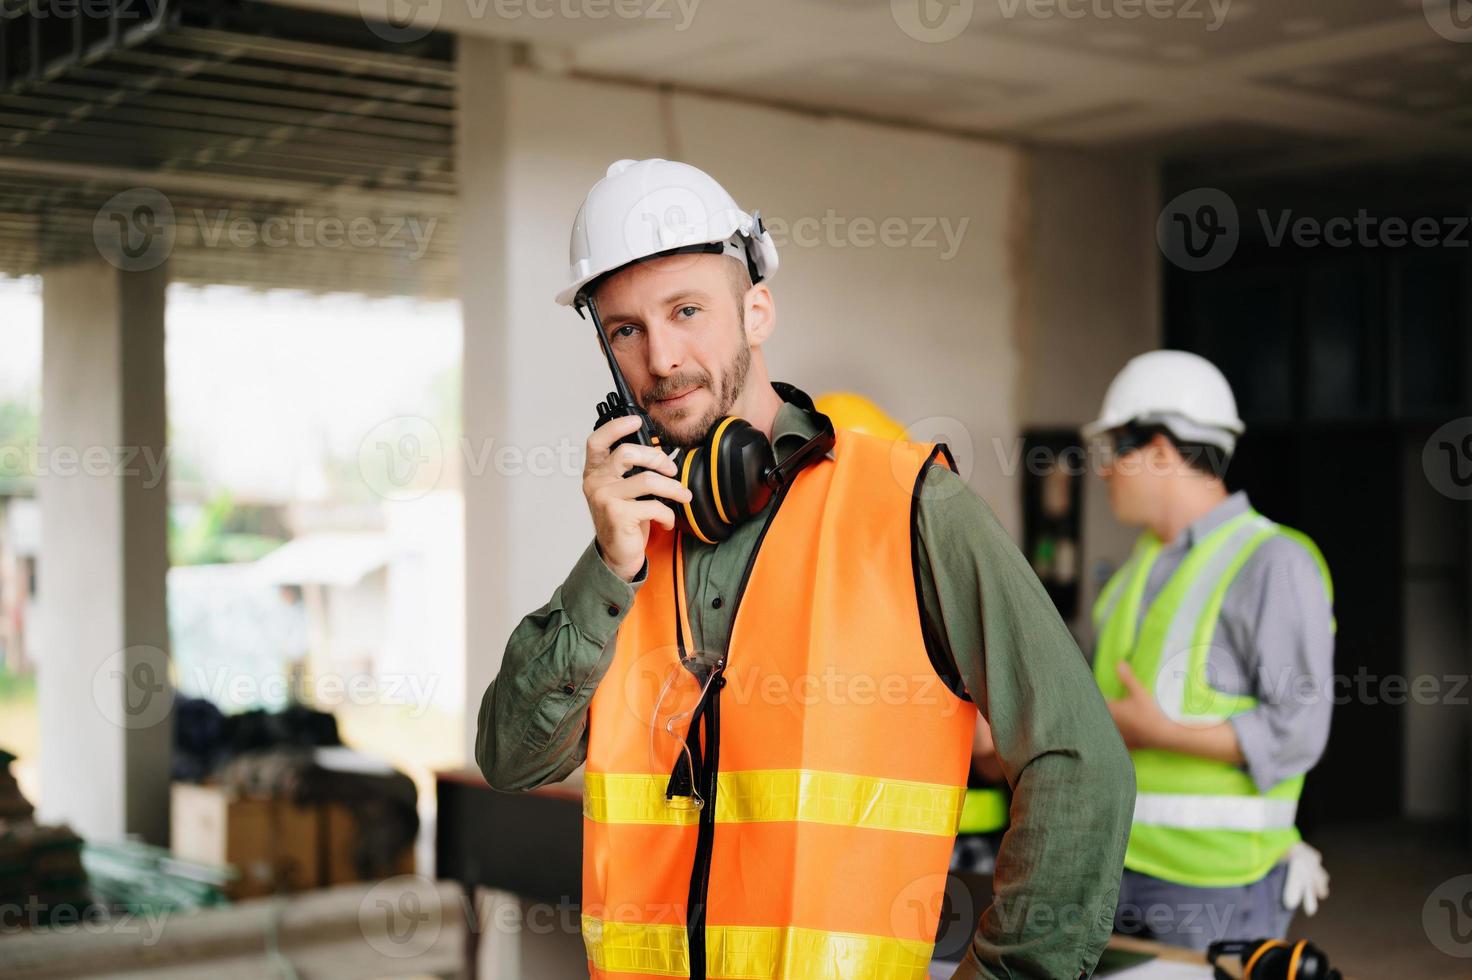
[[733, 383]]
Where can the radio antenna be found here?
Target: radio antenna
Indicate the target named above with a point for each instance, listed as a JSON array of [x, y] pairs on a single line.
[[620, 401], [619, 384]]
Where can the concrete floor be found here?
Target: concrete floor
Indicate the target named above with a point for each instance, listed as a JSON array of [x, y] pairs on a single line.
[[1381, 876]]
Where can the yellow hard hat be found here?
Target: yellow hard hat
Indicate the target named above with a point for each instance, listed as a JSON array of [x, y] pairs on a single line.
[[857, 413]]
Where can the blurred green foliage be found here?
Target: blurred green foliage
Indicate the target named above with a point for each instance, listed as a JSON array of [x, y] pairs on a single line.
[[216, 535], [20, 428]]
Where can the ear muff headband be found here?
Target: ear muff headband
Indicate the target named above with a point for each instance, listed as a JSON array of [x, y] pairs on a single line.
[[1257, 955], [715, 460]]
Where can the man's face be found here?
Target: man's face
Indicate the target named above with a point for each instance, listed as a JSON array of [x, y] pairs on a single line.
[[1136, 480], [677, 328]]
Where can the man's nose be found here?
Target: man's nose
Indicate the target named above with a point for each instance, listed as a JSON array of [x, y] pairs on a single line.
[[663, 351]]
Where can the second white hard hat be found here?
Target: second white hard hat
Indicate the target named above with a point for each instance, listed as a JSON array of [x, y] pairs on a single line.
[[1181, 391], [642, 208]]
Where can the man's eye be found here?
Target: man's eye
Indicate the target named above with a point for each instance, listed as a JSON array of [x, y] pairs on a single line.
[[627, 330], [688, 311]]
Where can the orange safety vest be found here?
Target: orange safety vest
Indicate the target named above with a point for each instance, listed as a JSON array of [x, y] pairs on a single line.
[[841, 756]]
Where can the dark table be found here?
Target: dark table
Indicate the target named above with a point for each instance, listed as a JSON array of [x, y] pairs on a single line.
[[529, 844]]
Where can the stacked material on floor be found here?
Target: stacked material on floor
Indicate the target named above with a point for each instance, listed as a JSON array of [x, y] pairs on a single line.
[[380, 799], [41, 872], [142, 879], [13, 805], [58, 883], [278, 797], [205, 738]]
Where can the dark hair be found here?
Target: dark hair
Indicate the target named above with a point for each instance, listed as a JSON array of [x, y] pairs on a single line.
[[1203, 457]]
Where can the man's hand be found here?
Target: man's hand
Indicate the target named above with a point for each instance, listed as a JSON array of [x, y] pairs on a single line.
[[1145, 726], [1137, 714], [620, 519]]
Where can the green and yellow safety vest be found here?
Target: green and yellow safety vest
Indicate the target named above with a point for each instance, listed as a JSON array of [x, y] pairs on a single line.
[[983, 811], [1197, 821]]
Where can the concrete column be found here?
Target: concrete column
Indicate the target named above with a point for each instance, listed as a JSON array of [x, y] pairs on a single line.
[[104, 695], [481, 164]]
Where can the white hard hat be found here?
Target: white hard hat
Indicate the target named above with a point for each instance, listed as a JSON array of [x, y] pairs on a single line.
[[642, 208], [1181, 391]]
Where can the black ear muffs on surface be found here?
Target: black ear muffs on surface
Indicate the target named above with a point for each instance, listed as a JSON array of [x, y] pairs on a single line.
[[1274, 959]]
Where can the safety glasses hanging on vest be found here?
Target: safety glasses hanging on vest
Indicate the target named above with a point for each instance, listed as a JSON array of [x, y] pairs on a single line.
[[685, 699], [684, 696], [677, 710], [733, 473]]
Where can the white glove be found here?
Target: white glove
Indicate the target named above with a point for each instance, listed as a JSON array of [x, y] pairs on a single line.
[[1307, 882]]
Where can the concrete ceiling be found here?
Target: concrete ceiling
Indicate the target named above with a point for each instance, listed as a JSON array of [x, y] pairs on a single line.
[[302, 118], [1231, 84]]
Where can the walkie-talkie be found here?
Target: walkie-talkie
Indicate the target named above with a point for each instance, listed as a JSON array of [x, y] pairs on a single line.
[[620, 401]]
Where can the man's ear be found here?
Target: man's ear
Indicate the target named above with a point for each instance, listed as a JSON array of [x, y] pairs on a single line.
[[760, 314]]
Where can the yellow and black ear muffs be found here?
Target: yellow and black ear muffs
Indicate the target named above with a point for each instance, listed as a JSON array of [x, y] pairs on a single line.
[[733, 473], [1273, 959]]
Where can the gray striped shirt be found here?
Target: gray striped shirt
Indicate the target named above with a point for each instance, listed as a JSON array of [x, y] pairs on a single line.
[[1273, 641]]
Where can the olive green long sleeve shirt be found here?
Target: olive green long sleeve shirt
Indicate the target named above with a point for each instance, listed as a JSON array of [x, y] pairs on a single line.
[[1058, 871]]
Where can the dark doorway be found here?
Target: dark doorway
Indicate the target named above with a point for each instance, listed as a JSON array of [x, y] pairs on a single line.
[[1345, 358]]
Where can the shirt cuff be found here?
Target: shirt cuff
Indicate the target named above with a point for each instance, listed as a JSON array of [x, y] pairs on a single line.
[[595, 598], [1256, 740]]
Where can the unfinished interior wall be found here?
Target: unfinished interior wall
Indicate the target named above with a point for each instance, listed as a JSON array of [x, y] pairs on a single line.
[[1089, 277]]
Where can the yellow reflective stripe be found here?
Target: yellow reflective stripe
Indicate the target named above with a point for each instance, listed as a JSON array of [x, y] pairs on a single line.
[[634, 947], [773, 795], [757, 951], [613, 797], [750, 952], [838, 798]]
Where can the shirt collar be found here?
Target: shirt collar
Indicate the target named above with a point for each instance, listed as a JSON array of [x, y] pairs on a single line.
[[1211, 520], [792, 427]]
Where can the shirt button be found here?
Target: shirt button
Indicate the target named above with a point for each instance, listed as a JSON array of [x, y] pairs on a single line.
[[715, 603], [613, 610], [568, 689]]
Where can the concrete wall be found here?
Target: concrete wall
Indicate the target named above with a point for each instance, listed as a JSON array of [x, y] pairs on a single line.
[[1091, 275]]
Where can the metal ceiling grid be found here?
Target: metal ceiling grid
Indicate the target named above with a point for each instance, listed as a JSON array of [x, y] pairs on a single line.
[[294, 149]]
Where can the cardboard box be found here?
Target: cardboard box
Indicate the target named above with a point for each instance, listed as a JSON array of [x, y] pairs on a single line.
[[298, 835], [207, 824], [340, 830], [339, 840], [275, 845]]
